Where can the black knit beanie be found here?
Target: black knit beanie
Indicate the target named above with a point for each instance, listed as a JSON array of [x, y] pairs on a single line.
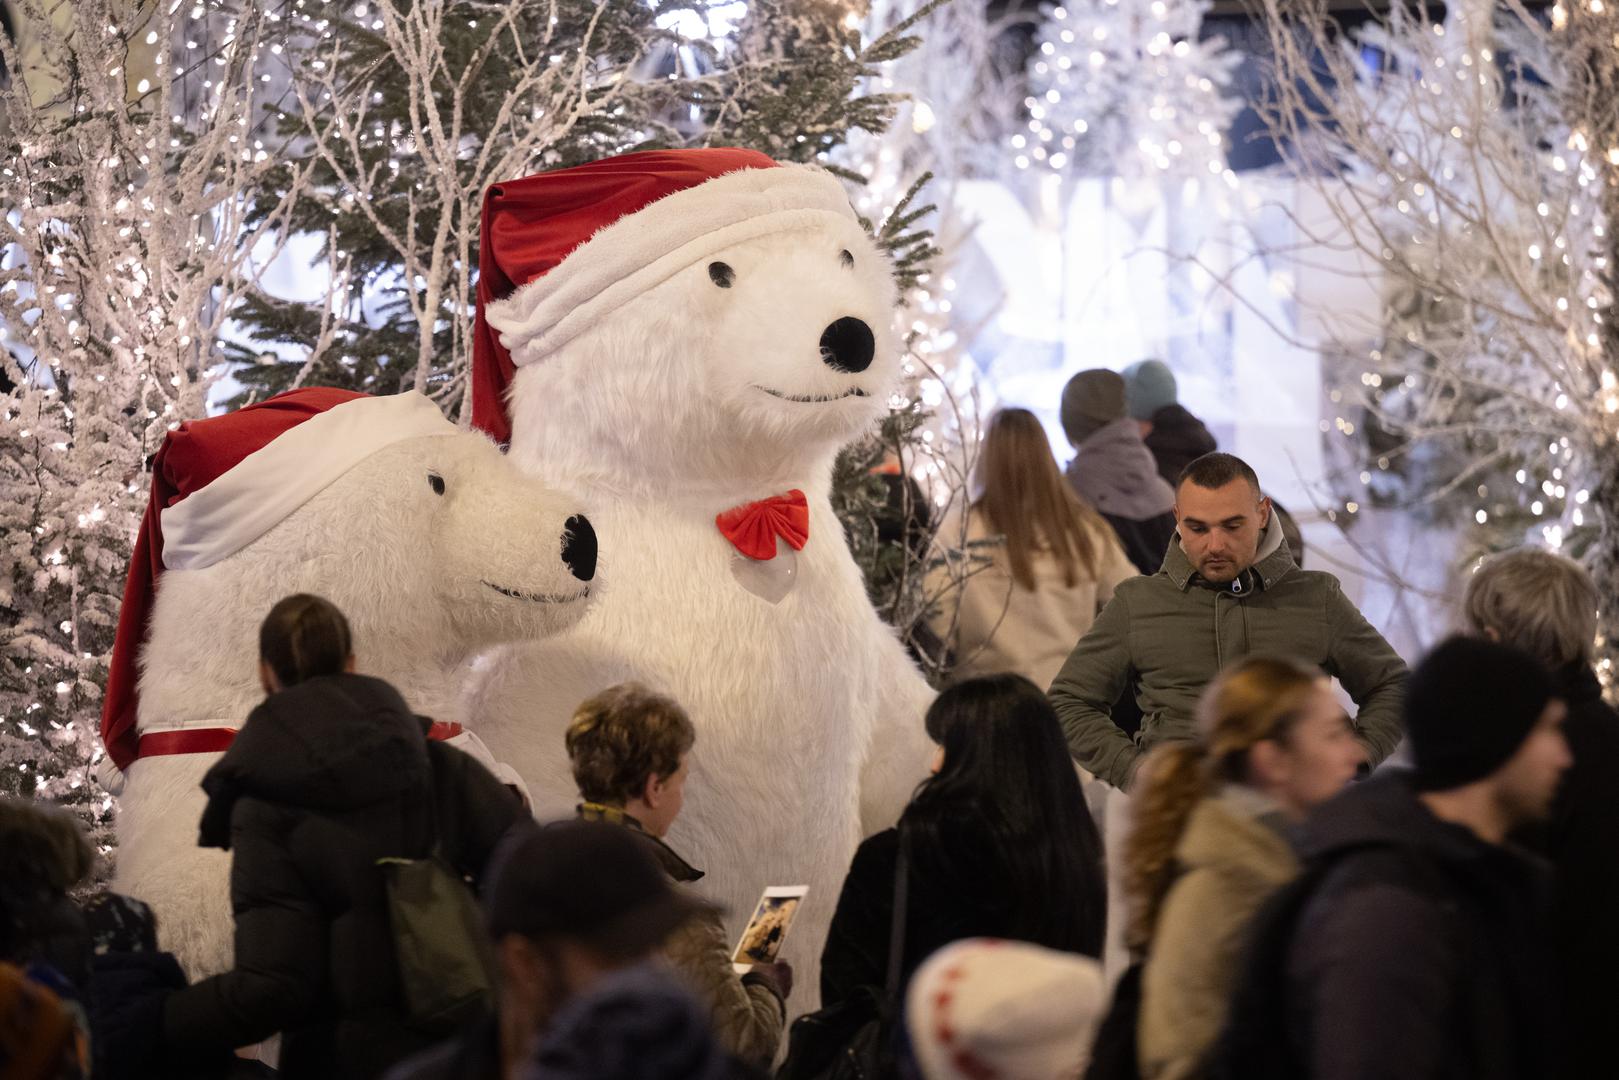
[[1468, 707]]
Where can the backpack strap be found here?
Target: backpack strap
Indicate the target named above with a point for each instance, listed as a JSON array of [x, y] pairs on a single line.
[[896, 926]]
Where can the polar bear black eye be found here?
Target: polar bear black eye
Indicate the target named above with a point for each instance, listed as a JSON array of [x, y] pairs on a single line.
[[846, 258], [721, 274], [436, 482]]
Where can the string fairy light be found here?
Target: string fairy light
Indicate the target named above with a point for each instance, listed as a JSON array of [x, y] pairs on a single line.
[[1127, 88]]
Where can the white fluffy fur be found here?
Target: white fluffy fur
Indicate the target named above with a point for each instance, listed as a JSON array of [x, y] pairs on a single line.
[[405, 565], [809, 714]]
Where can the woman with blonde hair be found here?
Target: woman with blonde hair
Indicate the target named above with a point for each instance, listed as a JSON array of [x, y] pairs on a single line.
[[1209, 843], [1039, 563]]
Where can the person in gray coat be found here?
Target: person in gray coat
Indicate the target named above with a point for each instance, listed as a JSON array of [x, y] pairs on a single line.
[[1113, 470]]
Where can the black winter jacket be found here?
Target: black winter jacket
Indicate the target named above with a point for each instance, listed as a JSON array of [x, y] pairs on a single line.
[[1580, 840], [1423, 954], [1177, 439], [938, 912], [472, 1054], [325, 778]]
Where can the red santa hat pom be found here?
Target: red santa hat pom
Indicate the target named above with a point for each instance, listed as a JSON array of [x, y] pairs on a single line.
[[1004, 1009], [560, 251], [220, 484]]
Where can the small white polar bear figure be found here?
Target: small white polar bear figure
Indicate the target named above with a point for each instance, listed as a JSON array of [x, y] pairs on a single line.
[[688, 338], [431, 542]]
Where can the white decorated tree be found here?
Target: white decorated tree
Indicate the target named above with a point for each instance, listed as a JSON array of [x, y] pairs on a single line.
[[125, 243], [1127, 88], [1472, 165]]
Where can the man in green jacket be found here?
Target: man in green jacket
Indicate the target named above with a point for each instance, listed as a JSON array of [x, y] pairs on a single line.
[[1228, 587]]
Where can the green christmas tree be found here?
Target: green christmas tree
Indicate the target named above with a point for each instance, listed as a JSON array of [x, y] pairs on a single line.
[[409, 112]]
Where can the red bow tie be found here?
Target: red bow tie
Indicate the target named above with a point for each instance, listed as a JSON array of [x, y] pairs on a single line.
[[752, 528]]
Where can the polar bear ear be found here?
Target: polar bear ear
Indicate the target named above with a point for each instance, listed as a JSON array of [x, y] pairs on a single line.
[[721, 274]]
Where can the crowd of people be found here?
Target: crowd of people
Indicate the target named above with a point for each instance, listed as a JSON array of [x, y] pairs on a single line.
[[1282, 910]]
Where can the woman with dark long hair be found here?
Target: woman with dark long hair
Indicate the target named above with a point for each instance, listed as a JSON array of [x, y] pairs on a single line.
[[998, 843], [1052, 561]]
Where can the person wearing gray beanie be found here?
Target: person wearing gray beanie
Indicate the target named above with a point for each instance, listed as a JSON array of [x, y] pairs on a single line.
[[1176, 438], [1113, 470], [1419, 940]]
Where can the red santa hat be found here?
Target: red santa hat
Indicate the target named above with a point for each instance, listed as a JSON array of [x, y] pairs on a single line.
[[220, 484], [560, 251]]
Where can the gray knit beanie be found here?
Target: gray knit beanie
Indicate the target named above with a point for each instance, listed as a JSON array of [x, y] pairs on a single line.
[[1091, 400]]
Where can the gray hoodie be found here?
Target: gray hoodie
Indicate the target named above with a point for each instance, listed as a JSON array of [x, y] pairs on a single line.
[[1115, 472]]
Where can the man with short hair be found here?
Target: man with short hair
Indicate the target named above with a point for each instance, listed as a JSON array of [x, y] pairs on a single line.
[[567, 906], [1176, 438], [629, 748], [1227, 587], [1422, 952]]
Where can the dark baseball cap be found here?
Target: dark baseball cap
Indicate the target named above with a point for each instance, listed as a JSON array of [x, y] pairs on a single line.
[[588, 880]]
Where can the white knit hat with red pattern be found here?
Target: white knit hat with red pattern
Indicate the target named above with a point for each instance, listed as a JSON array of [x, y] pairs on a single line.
[[985, 1009]]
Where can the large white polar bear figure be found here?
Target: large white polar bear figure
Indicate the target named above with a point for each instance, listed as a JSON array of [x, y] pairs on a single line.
[[686, 338], [430, 541]]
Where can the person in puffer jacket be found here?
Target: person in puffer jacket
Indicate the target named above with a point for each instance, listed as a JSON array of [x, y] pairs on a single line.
[[331, 773]]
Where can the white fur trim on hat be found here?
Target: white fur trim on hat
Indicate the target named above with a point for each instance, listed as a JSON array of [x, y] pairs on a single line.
[[624, 259], [1004, 1008], [265, 487]]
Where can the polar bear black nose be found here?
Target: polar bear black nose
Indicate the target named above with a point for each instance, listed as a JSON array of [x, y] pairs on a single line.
[[847, 345], [579, 547]]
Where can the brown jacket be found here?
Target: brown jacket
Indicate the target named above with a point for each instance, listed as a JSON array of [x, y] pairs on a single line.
[[748, 1017], [1232, 857]]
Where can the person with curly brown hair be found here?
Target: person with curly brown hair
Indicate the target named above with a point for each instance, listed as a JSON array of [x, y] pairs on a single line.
[[629, 748]]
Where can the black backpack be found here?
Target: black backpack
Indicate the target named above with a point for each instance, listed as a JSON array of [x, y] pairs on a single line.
[[1256, 1042]]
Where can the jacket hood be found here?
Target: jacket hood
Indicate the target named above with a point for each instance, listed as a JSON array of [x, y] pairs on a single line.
[[333, 743], [1238, 828], [1174, 430], [1384, 811], [1577, 683], [1272, 562], [1115, 472]]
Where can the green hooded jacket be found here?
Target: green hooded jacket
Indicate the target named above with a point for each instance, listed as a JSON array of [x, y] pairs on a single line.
[[1168, 634]]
